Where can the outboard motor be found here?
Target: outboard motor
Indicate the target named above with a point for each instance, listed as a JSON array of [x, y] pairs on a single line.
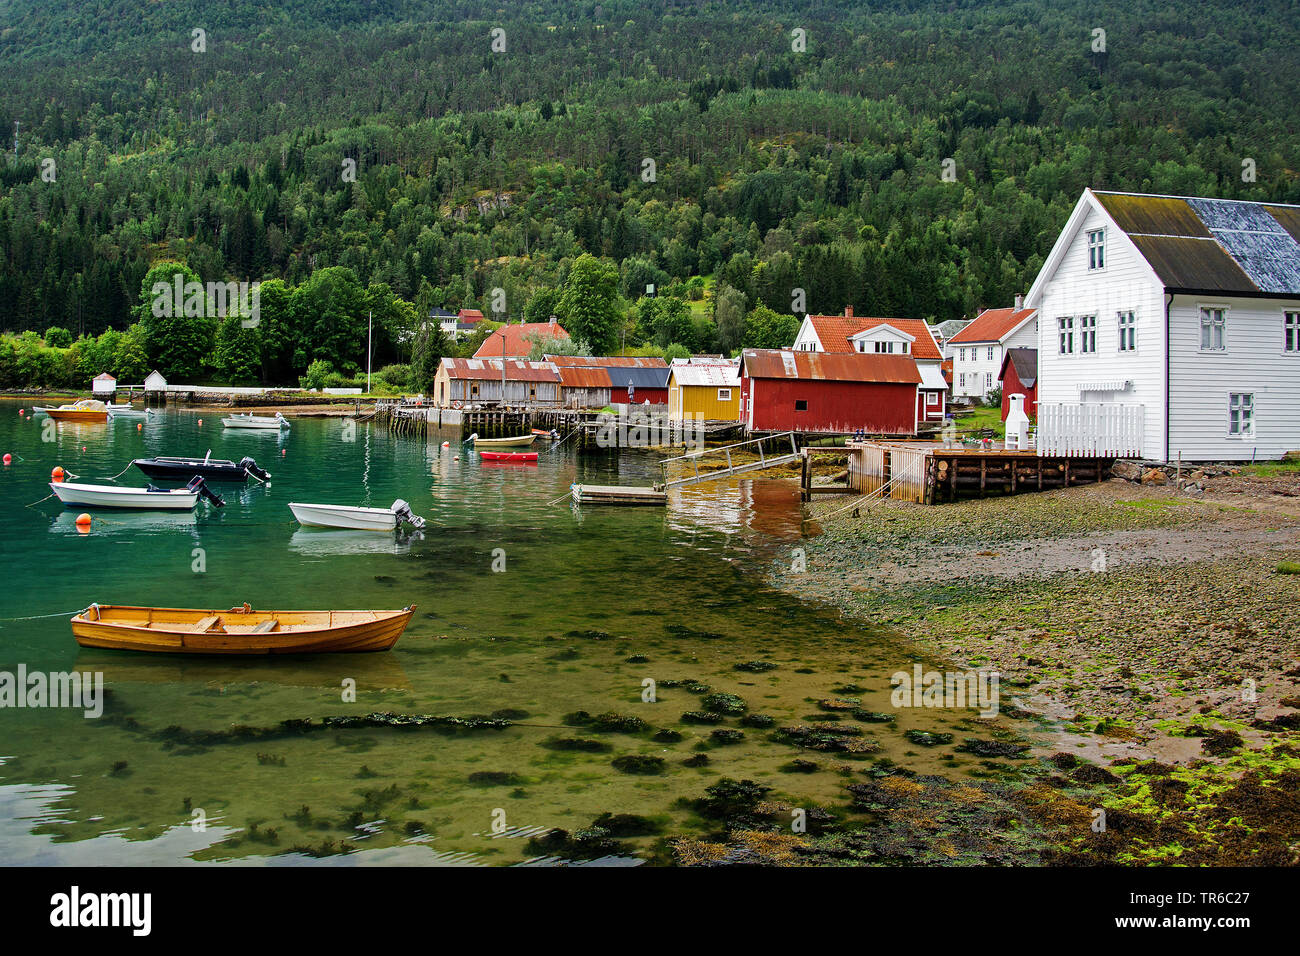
[[197, 484], [250, 466], [404, 513]]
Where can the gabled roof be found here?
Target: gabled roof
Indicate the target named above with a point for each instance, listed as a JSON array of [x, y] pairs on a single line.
[[103, 377], [583, 376], [992, 325], [441, 314], [726, 376], [518, 339], [830, 366], [487, 370], [1025, 362], [835, 331], [1205, 246], [470, 315]]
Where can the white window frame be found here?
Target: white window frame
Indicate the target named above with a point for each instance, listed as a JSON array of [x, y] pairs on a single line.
[[932, 399], [1096, 249], [961, 380], [1241, 415], [988, 381], [1291, 331], [1065, 335], [1202, 311], [962, 353], [1126, 322], [1087, 334], [990, 355], [724, 394]]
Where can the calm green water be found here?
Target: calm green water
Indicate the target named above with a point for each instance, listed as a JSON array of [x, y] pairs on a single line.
[[581, 592]]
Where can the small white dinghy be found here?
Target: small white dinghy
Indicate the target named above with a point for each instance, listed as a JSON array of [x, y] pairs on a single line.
[[150, 498], [269, 422], [356, 519]]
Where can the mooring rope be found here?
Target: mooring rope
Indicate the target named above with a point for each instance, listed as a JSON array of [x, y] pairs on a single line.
[[37, 617], [35, 503], [120, 473]]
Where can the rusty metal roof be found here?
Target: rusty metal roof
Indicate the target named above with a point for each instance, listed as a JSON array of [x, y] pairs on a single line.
[[830, 366], [487, 370], [610, 361], [581, 376], [1213, 245]]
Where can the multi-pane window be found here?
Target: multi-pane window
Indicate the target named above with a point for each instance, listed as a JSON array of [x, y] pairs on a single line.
[[1096, 249], [1128, 331], [963, 354], [1213, 323], [1087, 333], [1065, 333], [1291, 332], [1241, 414], [961, 380], [988, 380], [990, 353], [724, 394], [886, 347]]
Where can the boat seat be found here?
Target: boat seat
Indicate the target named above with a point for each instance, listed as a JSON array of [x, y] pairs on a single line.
[[265, 626], [206, 624]]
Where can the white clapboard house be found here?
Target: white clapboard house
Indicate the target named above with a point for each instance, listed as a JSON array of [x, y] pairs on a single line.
[[1182, 314], [978, 349]]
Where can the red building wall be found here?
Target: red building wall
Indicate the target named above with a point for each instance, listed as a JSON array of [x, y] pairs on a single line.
[[832, 407], [655, 396], [1010, 386], [930, 413]]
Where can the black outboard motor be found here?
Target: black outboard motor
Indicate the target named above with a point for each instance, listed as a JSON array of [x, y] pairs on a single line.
[[250, 466], [197, 484], [404, 513]]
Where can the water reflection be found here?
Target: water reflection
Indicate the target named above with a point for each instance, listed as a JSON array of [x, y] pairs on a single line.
[[320, 542]]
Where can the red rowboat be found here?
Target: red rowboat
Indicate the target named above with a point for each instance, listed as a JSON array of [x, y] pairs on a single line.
[[519, 456]]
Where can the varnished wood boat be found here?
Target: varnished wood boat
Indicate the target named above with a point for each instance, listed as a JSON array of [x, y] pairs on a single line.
[[240, 630], [518, 441]]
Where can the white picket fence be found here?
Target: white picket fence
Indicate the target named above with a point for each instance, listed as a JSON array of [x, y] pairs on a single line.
[[1092, 430]]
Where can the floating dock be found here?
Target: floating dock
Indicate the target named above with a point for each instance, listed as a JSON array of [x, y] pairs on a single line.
[[618, 495]]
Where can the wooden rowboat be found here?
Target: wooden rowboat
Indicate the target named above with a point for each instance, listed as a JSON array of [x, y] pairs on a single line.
[[240, 630], [519, 441], [515, 456]]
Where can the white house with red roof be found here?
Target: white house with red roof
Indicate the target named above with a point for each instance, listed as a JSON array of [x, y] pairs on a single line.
[[516, 341], [883, 336], [978, 350]]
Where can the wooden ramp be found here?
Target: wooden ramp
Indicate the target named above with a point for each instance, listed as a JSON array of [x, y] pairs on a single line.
[[770, 450]]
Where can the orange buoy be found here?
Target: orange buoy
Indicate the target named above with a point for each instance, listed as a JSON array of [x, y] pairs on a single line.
[[57, 473], [83, 522], [139, 426]]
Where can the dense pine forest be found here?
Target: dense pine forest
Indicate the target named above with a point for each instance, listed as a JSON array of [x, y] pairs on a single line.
[[910, 158]]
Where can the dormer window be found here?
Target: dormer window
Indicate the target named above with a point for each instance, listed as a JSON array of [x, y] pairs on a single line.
[[1096, 249]]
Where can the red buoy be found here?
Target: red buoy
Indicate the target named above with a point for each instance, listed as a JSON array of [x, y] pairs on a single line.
[[57, 473], [8, 458], [83, 522]]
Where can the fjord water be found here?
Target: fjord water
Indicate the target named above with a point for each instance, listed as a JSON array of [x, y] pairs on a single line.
[[549, 632]]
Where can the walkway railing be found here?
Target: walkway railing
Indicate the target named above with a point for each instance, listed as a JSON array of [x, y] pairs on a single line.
[[767, 458]]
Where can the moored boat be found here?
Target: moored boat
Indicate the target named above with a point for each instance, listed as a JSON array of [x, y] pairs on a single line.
[[511, 456], [240, 630], [87, 410], [214, 469], [357, 519], [268, 422], [518, 441], [150, 498]]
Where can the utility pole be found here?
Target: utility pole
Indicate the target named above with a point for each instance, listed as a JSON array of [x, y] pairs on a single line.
[[370, 334]]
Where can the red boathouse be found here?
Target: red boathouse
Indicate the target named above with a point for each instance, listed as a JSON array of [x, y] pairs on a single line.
[[828, 393], [1020, 375]]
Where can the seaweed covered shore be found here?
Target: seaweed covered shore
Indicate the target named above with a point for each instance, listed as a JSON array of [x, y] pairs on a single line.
[[1152, 632]]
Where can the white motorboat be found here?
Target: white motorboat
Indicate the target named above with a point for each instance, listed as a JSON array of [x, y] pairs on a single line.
[[270, 422], [355, 519], [150, 498], [126, 411]]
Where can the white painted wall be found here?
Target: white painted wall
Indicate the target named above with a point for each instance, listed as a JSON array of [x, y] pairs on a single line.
[[980, 363], [1126, 282], [1254, 362]]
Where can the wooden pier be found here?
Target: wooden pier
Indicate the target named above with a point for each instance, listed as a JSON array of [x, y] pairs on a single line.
[[927, 472]]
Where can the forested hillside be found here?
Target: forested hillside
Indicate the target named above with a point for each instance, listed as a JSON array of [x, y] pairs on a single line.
[[477, 168]]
